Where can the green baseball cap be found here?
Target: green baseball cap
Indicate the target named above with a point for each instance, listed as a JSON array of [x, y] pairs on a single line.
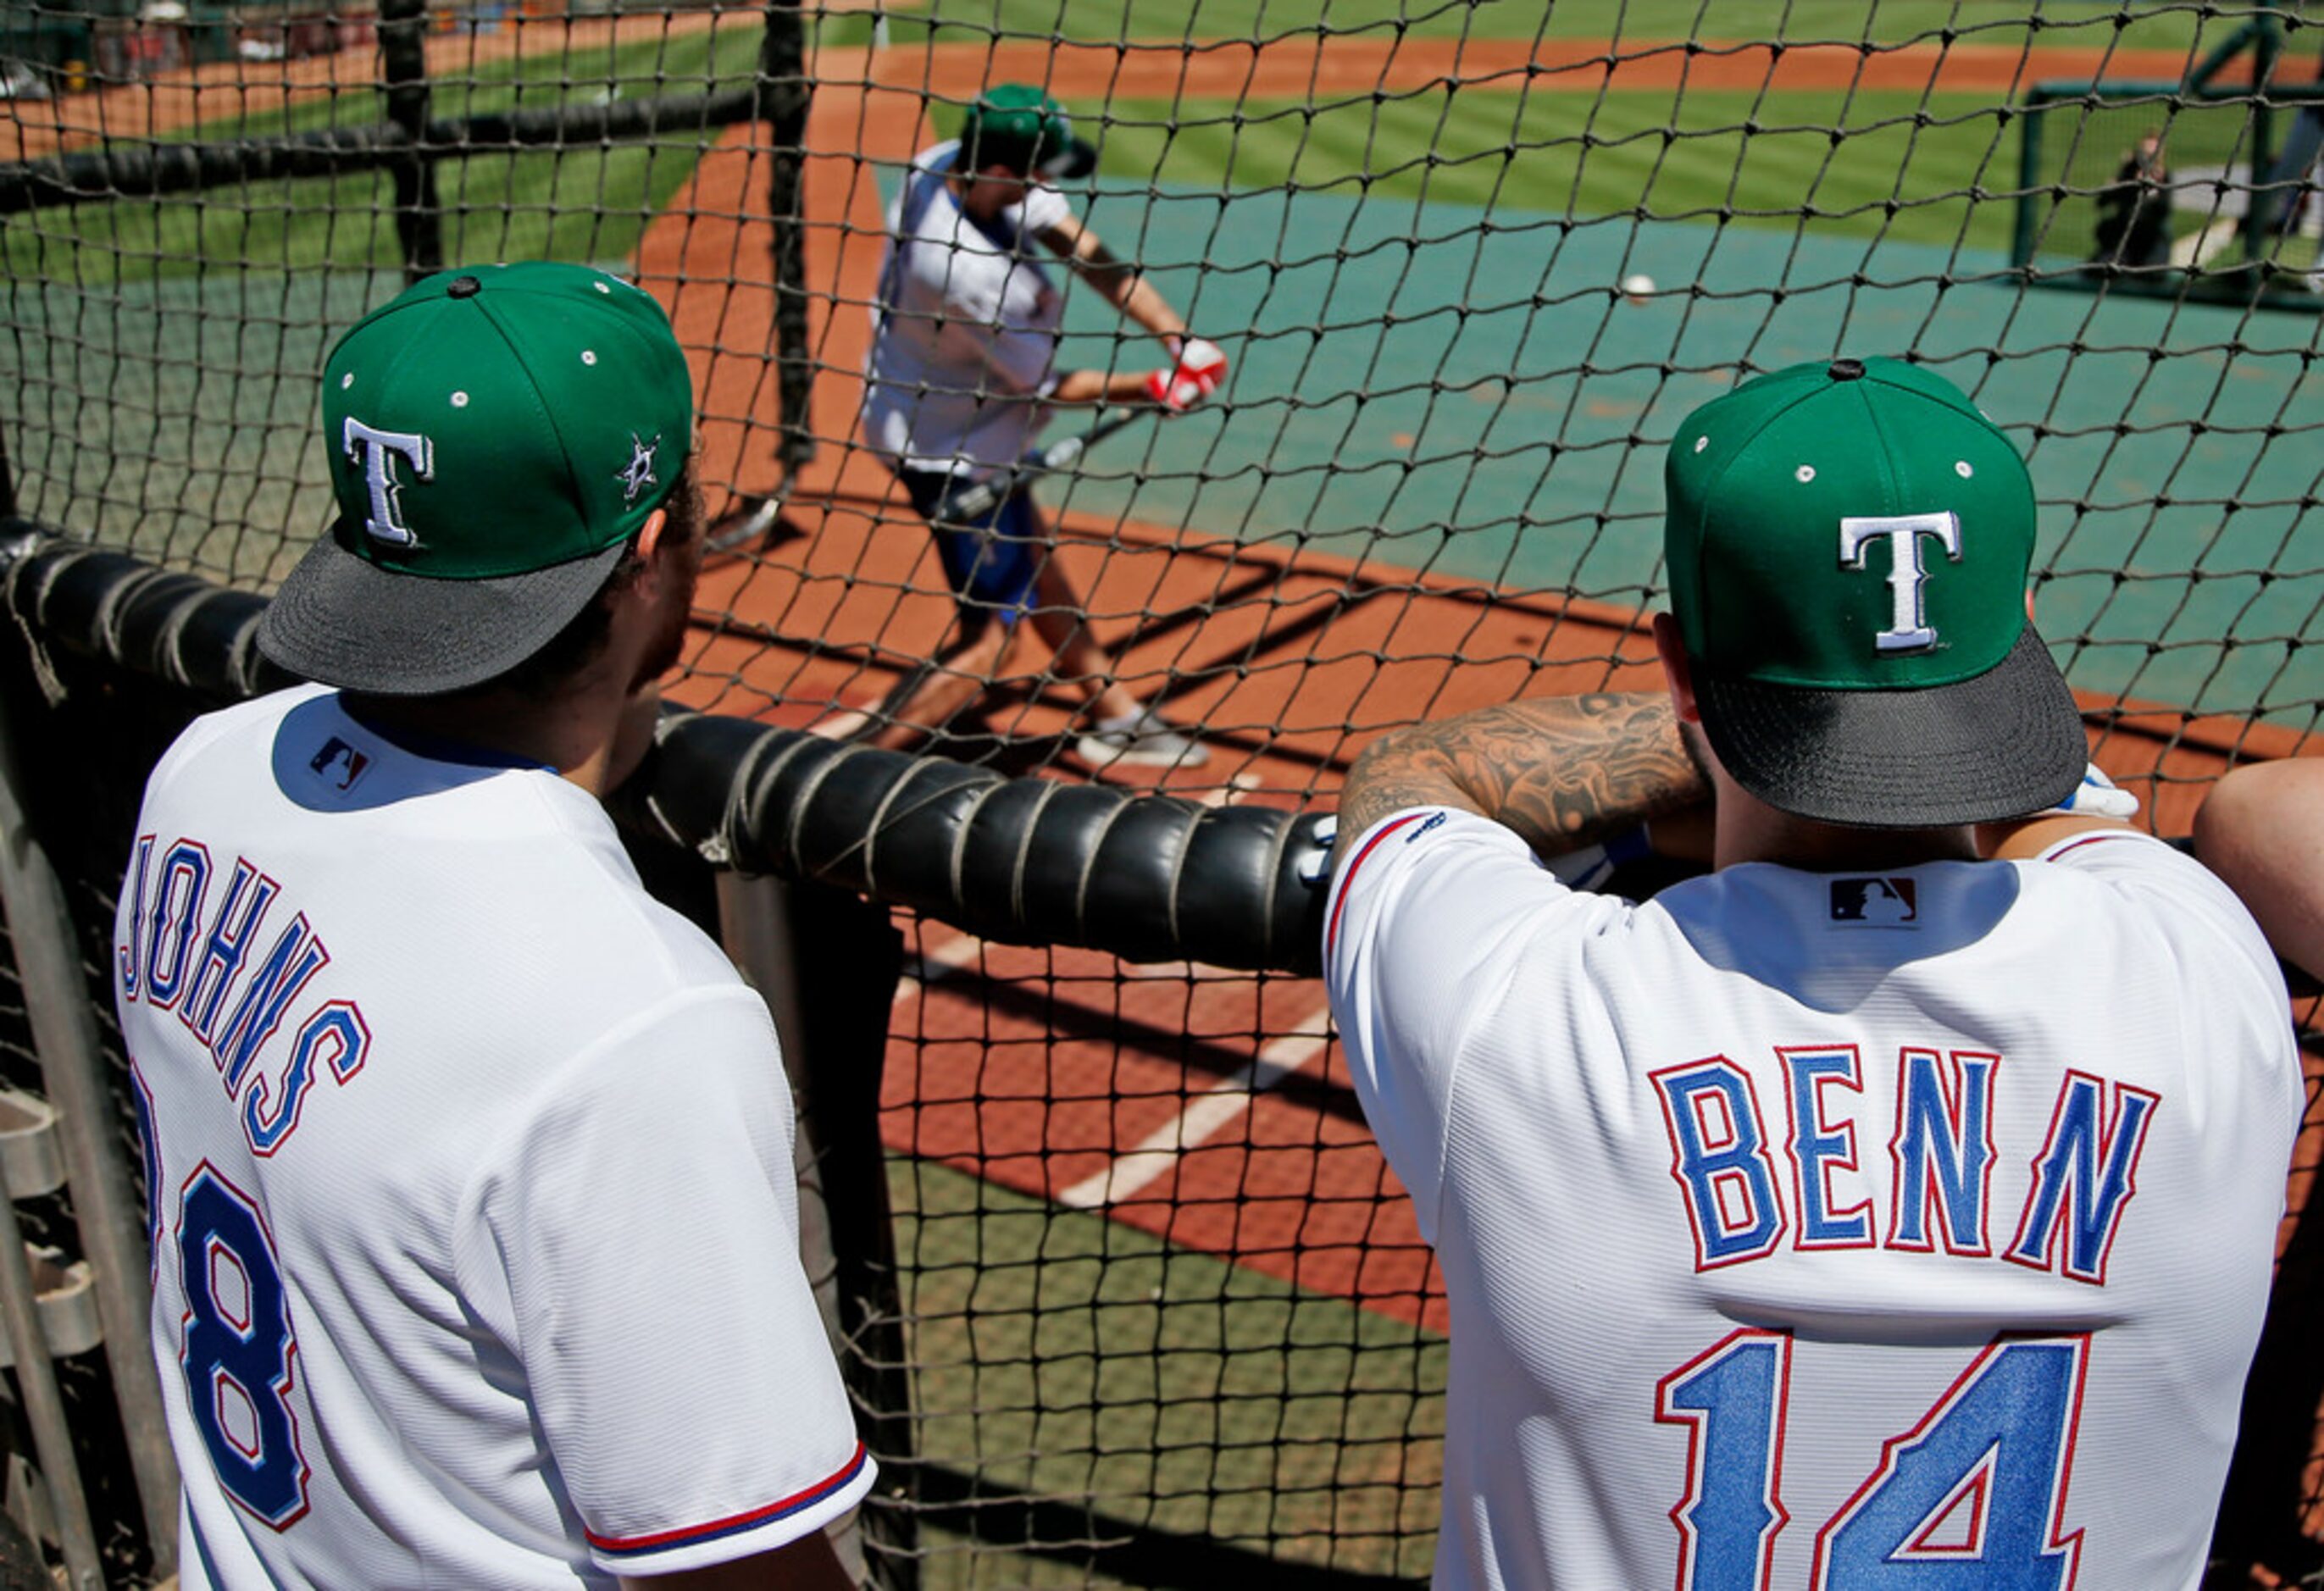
[[1016, 125], [1847, 545], [497, 434]]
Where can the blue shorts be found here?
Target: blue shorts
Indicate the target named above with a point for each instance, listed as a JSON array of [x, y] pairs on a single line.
[[991, 563]]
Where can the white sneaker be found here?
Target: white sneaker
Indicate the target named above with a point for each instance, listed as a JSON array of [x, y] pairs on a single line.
[[1140, 739]]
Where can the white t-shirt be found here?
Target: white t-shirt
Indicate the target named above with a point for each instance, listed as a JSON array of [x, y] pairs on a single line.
[[474, 1210], [1804, 1229], [965, 329]]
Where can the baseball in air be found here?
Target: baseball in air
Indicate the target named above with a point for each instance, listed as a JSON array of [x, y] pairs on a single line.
[[1638, 287]]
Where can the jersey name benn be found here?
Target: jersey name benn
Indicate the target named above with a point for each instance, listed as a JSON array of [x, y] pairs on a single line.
[[195, 947], [1749, 1191]]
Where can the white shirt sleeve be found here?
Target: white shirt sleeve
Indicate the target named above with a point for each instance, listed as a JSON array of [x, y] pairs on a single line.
[[644, 1224], [1428, 914], [2138, 865], [2208, 931], [1042, 208]]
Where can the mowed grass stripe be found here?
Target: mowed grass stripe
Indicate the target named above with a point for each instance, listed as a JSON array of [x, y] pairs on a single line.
[[2088, 24], [585, 203], [1074, 1358], [1760, 160]]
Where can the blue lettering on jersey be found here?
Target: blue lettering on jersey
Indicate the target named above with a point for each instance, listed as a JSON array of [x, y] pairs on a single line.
[[1719, 1158], [337, 1033], [2083, 1178], [169, 926], [128, 973], [169, 916], [1819, 1146], [1942, 1161], [222, 951], [1943, 1152], [297, 956]]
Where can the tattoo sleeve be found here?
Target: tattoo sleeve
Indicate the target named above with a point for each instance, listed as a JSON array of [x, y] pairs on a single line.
[[1561, 771]]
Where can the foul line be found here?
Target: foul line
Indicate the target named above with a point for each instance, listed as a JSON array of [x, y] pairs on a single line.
[[1158, 1154]]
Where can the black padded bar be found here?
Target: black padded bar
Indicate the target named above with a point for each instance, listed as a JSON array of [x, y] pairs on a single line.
[[1028, 861]]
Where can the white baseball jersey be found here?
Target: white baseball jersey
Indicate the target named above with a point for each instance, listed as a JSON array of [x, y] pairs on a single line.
[[472, 1198], [1898, 1233], [965, 329]]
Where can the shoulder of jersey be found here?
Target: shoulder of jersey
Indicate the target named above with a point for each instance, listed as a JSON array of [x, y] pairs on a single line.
[[224, 723]]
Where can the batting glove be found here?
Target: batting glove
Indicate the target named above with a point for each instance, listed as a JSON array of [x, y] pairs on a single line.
[[1202, 366], [2098, 796]]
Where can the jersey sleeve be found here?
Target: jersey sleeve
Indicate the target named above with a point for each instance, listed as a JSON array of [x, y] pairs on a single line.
[[1429, 912], [2209, 935], [2188, 894], [644, 1224], [1042, 208]]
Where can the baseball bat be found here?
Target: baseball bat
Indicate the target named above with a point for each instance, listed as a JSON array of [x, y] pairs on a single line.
[[979, 498]]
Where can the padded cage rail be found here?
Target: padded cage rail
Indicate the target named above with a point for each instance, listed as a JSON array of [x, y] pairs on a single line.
[[1023, 860]]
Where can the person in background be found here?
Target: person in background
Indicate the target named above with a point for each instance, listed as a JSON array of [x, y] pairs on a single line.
[[2134, 225], [961, 378], [2262, 830]]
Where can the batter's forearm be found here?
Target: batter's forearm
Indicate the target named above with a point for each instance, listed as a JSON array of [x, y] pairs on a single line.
[[1561, 771], [1120, 284], [1141, 301], [1098, 386]]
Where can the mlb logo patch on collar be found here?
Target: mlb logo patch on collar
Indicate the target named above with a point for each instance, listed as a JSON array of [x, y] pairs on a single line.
[[1874, 902], [338, 764]]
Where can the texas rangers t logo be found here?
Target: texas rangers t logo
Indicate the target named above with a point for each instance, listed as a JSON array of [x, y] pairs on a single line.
[[377, 450], [1907, 629]]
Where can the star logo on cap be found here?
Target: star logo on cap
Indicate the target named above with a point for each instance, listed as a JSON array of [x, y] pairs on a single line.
[[639, 474]]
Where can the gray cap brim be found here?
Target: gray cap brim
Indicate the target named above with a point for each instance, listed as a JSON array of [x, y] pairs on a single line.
[[2003, 744], [341, 621]]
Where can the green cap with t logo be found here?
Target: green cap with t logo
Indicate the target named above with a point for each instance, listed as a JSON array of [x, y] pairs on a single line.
[[497, 435], [1847, 545]]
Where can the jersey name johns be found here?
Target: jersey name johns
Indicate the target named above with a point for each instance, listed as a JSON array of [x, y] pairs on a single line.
[[1810, 1229], [432, 1094], [192, 947]]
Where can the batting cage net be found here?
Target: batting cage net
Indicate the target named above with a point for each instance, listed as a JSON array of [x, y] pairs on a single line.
[[1125, 1291]]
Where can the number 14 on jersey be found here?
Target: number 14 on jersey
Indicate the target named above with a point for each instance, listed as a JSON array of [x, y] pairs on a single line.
[[1970, 1499]]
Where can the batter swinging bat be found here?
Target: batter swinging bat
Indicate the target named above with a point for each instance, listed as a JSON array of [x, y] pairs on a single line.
[[976, 499]]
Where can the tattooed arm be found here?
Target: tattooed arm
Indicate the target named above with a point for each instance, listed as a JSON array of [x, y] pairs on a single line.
[[1562, 771]]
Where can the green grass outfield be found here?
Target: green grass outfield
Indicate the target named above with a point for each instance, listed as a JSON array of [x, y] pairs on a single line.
[[1067, 1357], [2163, 24], [586, 204]]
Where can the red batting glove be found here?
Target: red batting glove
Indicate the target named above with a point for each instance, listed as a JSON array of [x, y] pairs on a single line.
[[1200, 367]]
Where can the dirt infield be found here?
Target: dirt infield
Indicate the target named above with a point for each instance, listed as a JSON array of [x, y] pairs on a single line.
[[1305, 67]]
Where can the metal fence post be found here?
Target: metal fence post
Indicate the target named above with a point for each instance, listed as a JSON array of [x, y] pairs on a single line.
[[790, 939], [783, 101], [404, 75], [45, 1409], [112, 1227]]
